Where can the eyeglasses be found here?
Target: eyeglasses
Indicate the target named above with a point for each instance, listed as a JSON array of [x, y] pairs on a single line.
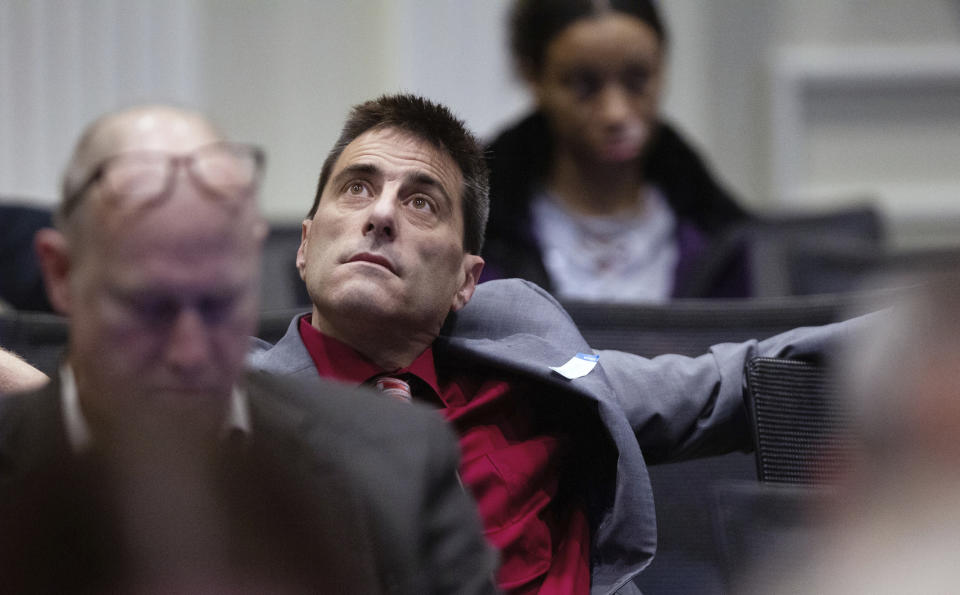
[[226, 171]]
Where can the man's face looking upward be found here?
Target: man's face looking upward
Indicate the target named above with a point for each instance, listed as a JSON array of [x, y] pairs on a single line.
[[385, 246]]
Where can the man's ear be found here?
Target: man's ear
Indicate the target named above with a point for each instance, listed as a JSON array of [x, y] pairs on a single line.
[[53, 252], [472, 267], [302, 249]]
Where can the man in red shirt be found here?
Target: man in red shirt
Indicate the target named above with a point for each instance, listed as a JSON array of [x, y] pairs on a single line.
[[551, 432]]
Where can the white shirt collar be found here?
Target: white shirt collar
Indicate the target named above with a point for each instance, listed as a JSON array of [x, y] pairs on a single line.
[[78, 430]]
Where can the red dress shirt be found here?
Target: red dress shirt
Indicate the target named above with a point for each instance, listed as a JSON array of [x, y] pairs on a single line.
[[510, 465]]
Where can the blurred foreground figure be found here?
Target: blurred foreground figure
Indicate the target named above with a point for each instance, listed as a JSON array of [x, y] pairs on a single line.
[[151, 463], [895, 524]]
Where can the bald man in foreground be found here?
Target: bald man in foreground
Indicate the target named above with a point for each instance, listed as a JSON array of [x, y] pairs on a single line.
[[151, 462]]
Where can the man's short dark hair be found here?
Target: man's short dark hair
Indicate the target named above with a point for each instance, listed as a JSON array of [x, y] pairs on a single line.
[[437, 125]]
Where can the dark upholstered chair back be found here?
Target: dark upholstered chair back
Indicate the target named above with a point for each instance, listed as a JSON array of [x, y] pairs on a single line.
[[274, 323], [691, 326], [784, 247], [281, 286], [21, 285], [765, 531], [842, 267], [41, 338], [38, 337]]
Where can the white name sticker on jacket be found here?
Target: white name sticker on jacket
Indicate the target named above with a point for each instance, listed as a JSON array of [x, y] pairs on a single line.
[[579, 365]]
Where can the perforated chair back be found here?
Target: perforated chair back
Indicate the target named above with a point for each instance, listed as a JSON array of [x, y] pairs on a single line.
[[802, 430]]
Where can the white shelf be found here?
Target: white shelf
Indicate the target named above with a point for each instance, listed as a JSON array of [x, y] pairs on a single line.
[[803, 75], [884, 122], [806, 65]]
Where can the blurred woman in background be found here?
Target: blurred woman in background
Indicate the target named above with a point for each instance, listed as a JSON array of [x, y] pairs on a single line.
[[594, 197]]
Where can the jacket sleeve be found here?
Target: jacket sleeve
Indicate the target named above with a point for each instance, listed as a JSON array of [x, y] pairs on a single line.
[[676, 407], [680, 407]]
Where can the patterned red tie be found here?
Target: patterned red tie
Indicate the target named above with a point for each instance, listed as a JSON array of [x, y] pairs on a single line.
[[395, 388]]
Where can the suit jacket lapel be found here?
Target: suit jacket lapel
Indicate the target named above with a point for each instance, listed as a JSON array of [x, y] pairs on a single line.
[[289, 357]]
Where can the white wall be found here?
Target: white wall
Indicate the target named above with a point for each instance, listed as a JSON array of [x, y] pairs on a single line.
[[64, 62], [283, 73], [280, 73], [286, 73], [823, 101]]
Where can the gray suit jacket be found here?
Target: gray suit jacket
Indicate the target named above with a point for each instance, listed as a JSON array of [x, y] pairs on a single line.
[[393, 517], [666, 408]]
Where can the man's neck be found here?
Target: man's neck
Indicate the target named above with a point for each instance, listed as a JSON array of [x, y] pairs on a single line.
[[384, 343]]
